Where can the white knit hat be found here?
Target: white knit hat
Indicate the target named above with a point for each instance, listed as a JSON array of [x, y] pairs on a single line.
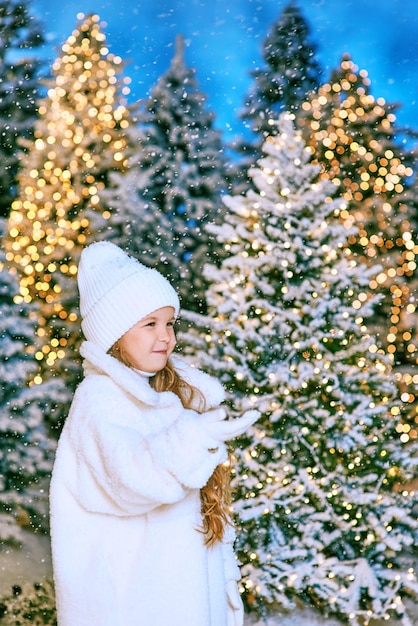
[[116, 291]]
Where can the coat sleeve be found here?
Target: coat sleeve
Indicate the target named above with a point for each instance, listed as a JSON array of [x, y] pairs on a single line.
[[123, 470]]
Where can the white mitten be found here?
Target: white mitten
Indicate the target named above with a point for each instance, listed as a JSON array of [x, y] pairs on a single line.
[[214, 415], [222, 430]]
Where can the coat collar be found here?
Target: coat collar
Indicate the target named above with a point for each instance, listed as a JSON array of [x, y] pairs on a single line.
[[96, 361]]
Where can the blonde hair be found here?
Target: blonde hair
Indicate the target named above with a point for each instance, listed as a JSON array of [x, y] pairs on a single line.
[[215, 496]]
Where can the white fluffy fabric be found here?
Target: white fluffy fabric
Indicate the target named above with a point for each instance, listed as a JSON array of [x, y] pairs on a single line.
[[125, 506]]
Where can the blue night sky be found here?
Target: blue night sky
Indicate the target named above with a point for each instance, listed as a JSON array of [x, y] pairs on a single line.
[[223, 42]]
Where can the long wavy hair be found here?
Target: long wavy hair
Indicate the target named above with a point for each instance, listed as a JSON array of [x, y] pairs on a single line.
[[215, 496]]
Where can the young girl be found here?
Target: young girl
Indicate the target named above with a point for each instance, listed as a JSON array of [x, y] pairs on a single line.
[[141, 533]]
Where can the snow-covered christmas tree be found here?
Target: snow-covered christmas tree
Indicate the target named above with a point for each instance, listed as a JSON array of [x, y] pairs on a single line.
[[320, 519], [25, 451], [174, 183], [290, 71]]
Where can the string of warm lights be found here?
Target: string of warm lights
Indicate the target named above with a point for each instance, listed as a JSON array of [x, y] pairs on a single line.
[[351, 134], [79, 137]]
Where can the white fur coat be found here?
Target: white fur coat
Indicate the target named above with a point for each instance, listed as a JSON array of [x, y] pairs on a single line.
[[125, 506]]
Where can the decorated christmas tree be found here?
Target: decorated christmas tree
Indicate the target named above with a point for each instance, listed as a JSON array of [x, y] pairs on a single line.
[[25, 452], [320, 519], [79, 139], [174, 183], [20, 36], [354, 137]]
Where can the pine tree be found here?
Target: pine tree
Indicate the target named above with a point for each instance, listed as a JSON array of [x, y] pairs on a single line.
[[320, 520], [174, 183], [79, 139], [290, 72], [354, 137], [25, 452], [20, 35]]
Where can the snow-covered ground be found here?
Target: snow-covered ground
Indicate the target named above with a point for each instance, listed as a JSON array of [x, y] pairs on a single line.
[[32, 563]]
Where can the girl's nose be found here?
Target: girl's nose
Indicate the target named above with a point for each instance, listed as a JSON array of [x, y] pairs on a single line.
[[164, 335]]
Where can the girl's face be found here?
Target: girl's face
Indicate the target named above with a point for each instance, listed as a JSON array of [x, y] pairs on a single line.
[[148, 344]]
